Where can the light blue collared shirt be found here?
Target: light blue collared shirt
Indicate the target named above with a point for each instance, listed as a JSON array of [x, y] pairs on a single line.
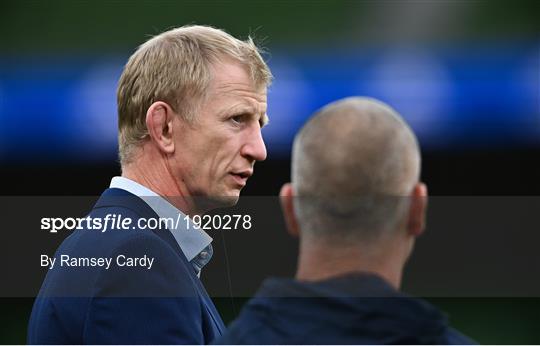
[[194, 242]]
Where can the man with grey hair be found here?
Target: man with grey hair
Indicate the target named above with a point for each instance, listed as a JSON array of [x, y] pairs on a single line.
[[191, 105], [357, 205]]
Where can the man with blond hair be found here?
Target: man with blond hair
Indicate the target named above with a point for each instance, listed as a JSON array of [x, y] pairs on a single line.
[[357, 205], [191, 105]]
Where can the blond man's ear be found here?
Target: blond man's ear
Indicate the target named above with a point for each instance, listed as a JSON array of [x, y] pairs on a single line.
[[159, 119], [287, 206]]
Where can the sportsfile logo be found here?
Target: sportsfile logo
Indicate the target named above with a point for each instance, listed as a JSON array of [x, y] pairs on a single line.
[[109, 222]]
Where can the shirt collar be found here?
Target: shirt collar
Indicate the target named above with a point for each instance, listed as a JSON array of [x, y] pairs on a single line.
[[192, 241]]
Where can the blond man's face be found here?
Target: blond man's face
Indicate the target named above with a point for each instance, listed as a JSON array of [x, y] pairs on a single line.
[[215, 156]]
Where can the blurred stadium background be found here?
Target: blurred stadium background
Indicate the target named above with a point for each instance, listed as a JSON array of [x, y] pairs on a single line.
[[465, 75]]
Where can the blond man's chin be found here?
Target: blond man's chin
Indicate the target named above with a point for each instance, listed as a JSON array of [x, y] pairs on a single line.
[[214, 202]]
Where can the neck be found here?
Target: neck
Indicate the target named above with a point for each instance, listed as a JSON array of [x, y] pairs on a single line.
[[319, 260], [157, 177]]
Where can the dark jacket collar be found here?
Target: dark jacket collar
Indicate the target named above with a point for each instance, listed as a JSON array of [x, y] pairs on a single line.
[[361, 306]]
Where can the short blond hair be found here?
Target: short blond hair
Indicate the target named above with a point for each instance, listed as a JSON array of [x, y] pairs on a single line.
[[174, 67]]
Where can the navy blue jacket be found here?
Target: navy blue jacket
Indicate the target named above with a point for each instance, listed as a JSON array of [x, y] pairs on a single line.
[[123, 305], [352, 309]]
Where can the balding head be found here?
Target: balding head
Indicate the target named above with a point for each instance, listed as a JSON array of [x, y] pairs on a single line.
[[354, 162]]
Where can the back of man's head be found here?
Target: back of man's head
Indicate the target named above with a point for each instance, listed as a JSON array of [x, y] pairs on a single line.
[[355, 164]]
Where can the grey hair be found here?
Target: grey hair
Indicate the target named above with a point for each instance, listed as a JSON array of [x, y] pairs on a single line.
[[354, 164]]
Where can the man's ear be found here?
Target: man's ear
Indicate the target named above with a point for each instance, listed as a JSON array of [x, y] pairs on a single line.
[[287, 206], [159, 121], [417, 210]]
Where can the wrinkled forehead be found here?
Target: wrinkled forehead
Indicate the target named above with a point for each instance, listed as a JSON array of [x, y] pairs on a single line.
[[244, 91], [232, 81]]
